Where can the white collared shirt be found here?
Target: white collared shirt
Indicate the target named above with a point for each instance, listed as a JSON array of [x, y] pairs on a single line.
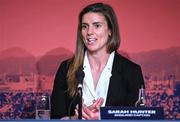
[[89, 92]]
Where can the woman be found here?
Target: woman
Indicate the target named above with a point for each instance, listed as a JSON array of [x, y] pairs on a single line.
[[110, 79]]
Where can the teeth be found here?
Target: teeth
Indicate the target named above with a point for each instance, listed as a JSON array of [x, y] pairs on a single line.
[[91, 40]]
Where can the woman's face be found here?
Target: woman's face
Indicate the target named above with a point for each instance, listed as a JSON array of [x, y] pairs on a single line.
[[95, 32]]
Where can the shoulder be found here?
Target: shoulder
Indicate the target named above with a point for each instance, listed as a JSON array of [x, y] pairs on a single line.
[[64, 65], [130, 70], [123, 61]]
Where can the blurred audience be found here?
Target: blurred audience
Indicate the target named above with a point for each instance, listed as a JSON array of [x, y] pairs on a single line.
[[21, 104]]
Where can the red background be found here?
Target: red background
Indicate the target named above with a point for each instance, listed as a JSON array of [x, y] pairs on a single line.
[[42, 25]]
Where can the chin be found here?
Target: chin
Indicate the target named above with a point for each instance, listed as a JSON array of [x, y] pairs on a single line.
[[91, 51]]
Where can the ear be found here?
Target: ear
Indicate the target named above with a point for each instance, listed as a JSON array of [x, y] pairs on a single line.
[[109, 34]]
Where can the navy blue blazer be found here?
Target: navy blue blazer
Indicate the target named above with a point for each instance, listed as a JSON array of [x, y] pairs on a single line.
[[123, 88]]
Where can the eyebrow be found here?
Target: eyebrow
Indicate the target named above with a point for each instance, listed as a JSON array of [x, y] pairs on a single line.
[[93, 23]]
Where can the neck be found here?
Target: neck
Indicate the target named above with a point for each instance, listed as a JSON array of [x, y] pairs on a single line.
[[98, 60]]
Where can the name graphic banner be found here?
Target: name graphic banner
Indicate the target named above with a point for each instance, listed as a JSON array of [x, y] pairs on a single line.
[[153, 113]]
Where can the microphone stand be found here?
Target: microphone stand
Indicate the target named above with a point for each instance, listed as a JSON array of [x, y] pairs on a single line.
[[80, 104], [80, 76]]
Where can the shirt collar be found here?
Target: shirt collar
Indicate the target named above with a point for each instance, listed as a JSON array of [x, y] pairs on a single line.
[[110, 61], [86, 61], [108, 65]]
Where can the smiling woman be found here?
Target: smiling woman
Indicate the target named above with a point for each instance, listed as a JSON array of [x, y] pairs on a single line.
[[106, 71]]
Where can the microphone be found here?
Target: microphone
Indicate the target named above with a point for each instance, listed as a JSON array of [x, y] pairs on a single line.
[[80, 76]]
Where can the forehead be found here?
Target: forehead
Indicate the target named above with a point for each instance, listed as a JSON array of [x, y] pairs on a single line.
[[93, 17]]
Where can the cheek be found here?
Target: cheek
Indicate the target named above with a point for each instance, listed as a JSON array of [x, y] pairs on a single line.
[[83, 33], [104, 33], [105, 36]]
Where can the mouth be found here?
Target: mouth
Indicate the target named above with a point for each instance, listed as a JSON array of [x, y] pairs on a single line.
[[91, 40]]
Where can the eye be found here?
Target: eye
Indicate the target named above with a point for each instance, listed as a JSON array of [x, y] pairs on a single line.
[[97, 25], [84, 27]]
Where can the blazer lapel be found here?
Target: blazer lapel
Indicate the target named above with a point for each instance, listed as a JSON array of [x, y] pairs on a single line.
[[114, 81]]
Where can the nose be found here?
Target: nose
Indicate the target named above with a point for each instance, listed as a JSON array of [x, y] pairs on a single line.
[[90, 30]]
